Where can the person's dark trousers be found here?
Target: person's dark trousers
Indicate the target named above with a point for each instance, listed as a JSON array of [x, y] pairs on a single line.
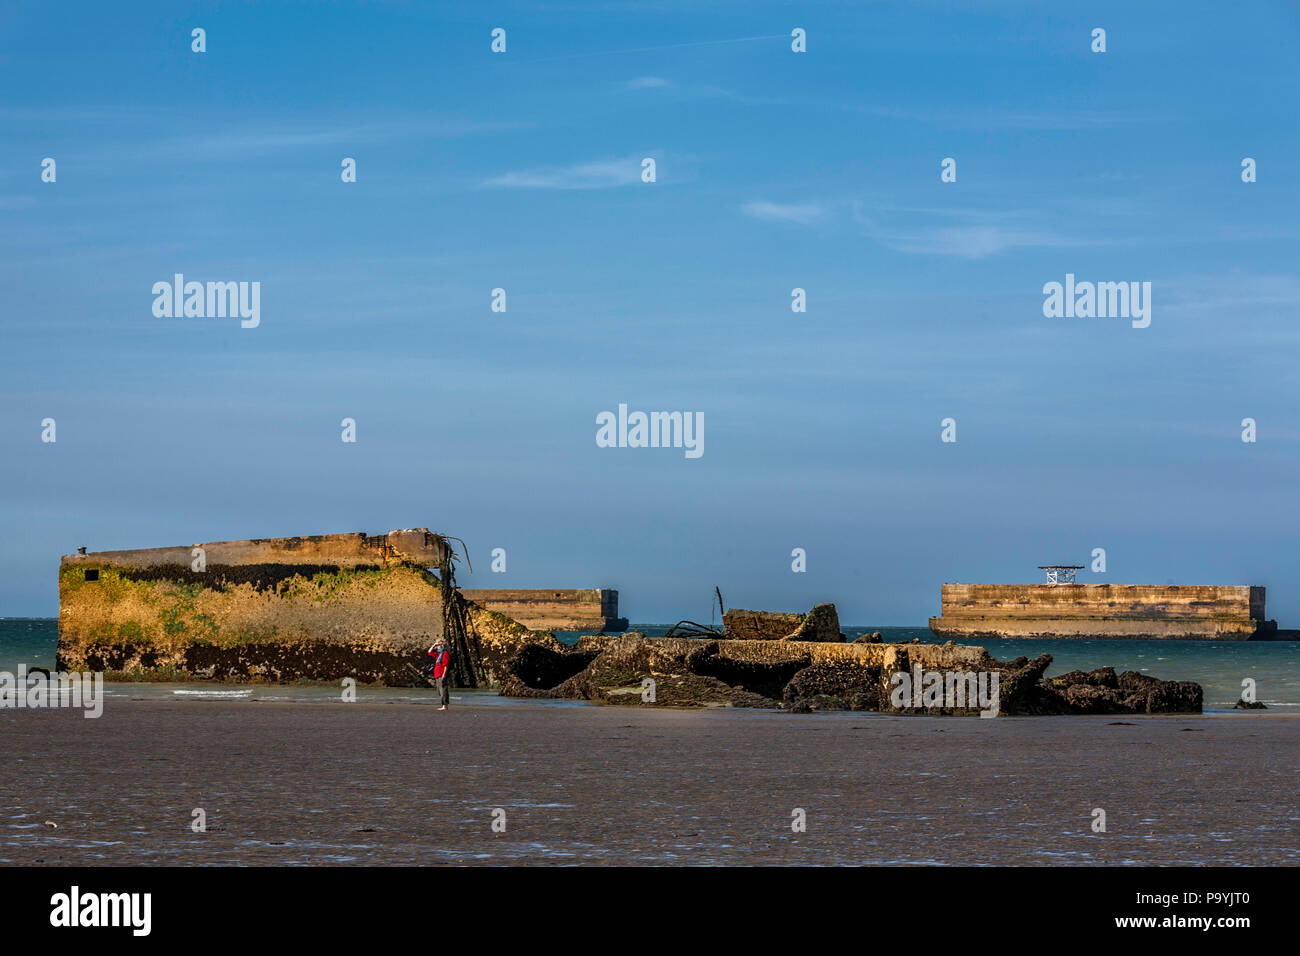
[[444, 690]]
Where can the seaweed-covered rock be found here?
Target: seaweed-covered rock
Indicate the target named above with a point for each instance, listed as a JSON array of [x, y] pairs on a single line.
[[836, 685], [1091, 699], [1101, 677], [1022, 690], [1175, 697], [1102, 692], [694, 690], [765, 678], [1150, 695], [634, 669], [536, 669], [1136, 680], [810, 676]]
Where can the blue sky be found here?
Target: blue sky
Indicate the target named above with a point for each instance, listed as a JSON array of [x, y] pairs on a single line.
[[775, 170]]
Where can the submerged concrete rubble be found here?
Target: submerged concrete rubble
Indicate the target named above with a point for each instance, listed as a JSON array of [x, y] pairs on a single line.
[[328, 607], [804, 676]]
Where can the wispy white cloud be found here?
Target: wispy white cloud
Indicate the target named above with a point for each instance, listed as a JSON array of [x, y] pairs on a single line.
[[978, 235], [223, 139], [966, 233], [622, 51], [1231, 294], [970, 242], [595, 174], [971, 232], [1051, 119], [649, 83], [804, 213], [235, 143], [700, 91]]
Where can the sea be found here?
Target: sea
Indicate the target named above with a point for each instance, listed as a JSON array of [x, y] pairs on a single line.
[[1220, 667]]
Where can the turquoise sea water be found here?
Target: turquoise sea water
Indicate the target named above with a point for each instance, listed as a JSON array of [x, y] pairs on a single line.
[[1219, 667]]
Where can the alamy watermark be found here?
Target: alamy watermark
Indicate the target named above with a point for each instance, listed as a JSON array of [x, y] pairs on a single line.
[[653, 430], [129, 910], [38, 689], [954, 690], [1101, 300], [213, 300]]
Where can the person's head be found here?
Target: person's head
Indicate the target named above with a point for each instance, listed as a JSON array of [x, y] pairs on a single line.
[[440, 644]]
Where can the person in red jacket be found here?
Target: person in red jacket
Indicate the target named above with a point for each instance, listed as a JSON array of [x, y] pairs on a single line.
[[441, 658]]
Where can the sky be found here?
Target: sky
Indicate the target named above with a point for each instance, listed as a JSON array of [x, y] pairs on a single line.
[[774, 170]]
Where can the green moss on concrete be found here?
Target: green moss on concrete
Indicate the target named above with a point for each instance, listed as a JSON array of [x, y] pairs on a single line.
[[151, 675], [103, 635], [168, 622], [112, 587], [130, 632], [324, 586]]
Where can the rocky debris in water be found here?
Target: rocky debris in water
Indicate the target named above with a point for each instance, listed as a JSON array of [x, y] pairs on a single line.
[[820, 625], [807, 676], [872, 638], [694, 690], [632, 669], [1161, 697], [1249, 705], [1090, 699], [1101, 677], [1020, 686], [1103, 692]]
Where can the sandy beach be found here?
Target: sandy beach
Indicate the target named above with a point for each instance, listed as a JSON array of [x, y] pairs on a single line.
[[399, 783]]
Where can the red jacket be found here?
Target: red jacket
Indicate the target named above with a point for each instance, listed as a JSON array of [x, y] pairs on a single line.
[[440, 660]]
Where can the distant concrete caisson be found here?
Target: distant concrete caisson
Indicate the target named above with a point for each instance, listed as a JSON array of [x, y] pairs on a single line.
[[589, 610], [1103, 612]]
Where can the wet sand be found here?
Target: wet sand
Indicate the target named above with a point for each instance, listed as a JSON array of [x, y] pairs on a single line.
[[322, 783]]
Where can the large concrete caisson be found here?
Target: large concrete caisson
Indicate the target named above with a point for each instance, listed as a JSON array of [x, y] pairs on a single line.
[[1103, 611], [322, 607]]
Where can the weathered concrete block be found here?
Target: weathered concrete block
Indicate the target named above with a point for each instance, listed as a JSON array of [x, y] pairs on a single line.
[[321, 607], [572, 609], [972, 612], [821, 624], [741, 625]]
